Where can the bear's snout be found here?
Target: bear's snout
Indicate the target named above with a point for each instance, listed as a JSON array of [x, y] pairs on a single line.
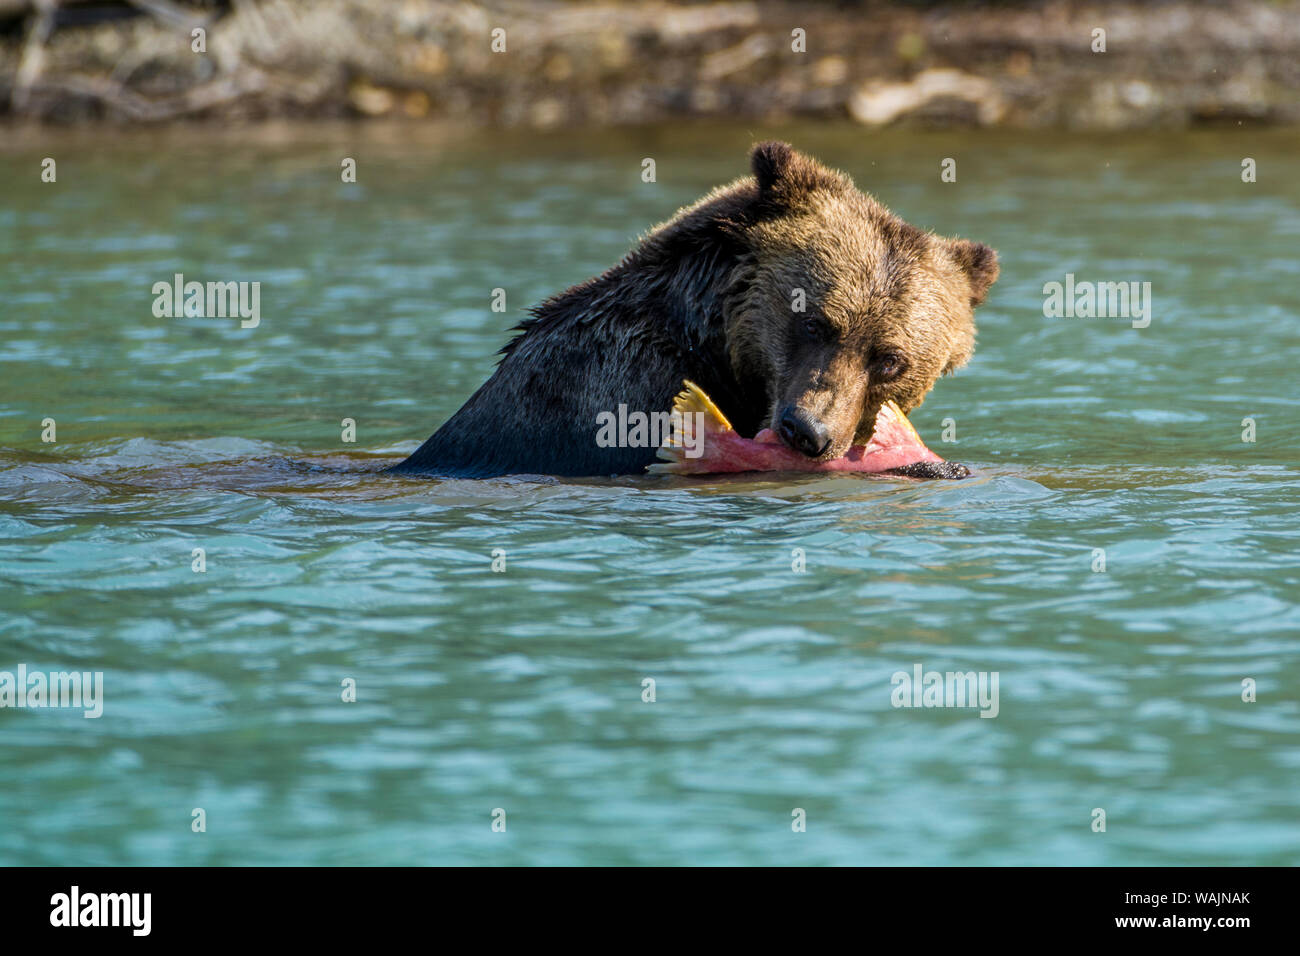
[[803, 433]]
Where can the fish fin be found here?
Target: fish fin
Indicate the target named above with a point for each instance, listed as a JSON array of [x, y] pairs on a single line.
[[896, 413], [692, 399], [672, 453]]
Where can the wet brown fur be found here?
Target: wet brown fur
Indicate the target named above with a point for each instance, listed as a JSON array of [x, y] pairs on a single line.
[[708, 296]]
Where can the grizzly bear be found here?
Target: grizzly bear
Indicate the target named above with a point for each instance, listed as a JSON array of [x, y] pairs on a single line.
[[794, 300]]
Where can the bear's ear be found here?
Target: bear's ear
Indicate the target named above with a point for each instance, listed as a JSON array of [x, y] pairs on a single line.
[[786, 175], [771, 164], [979, 262]]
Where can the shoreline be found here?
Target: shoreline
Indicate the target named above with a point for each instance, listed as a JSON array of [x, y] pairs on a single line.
[[562, 65]]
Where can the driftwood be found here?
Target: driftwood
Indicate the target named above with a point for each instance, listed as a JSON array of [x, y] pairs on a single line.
[[163, 9], [120, 99], [33, 59], [28, 78]]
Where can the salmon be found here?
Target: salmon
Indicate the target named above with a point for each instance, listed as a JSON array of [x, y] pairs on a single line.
[[702, 442]]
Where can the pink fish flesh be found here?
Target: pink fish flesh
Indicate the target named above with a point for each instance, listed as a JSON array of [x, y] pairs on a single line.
[[895, 447]]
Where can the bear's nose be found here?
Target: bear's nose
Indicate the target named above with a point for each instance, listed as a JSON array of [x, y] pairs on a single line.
[[805, 435]]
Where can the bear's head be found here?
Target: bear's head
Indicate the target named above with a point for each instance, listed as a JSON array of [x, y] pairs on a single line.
[[836, 305]]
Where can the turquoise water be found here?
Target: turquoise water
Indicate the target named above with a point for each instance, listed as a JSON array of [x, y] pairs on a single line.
[[522, 689]]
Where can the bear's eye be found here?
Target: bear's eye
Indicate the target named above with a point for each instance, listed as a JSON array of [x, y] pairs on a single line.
[[888, 365], [813, 329]]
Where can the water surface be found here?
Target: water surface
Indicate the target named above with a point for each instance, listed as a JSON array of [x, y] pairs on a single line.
[[522, 690]]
